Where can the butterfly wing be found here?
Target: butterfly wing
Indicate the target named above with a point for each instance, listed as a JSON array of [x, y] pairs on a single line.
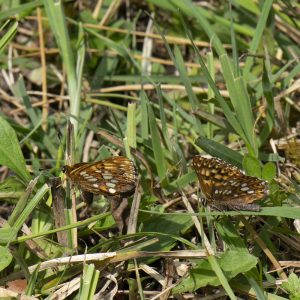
[[224, 183], [111, 176], [203, 171]]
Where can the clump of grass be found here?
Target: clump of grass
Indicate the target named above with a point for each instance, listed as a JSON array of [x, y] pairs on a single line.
[[158, 82]]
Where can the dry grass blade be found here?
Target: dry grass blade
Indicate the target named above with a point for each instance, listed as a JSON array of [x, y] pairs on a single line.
[[58, 209]]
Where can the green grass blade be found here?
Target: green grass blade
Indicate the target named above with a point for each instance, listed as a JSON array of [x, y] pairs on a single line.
[[240, 101], [131, 125], [9, 34], [218, 271], [144, 116], [267, 6], [199, 14], [218, 150], [22, 9], [29, 207], [57, 20], [156, 145], [226, 109]]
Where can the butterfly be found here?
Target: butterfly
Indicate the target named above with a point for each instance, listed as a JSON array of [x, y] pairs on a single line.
[[226, 186], [110, 177]]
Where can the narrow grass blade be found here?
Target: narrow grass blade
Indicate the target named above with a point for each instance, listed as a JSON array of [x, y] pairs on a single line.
[[144, 117], [29, 207], [218, 150], [267, 6], [57, 20], [270, 117], [156, 145], [19, 90], [164, 124], [224, 282], [226, 109], [131, 125], [240, 101], [9, 34], [199, 14], [88, 282], [210, 92], [20, 9]]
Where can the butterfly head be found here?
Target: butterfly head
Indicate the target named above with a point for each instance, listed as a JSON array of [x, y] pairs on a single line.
[[65, 170]]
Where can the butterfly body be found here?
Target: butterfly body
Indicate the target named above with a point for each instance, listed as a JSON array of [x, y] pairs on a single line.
[[225, 185], [112, 176]]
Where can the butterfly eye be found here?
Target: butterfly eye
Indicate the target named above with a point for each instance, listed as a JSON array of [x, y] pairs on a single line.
[[64, 169]]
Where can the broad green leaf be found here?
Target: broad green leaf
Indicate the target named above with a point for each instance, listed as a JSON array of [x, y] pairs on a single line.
[[229, 235], [203, 274], [7, 234], [269, 171], [5, 258], [10, 151], [231, 268], [292, 286], [252, 166]]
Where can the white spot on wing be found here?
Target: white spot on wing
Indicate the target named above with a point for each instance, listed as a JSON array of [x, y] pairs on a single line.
[[86, 176], [93, 179], [95, 185], [83, 173], [112, 191], [244, 189], [110, 185]]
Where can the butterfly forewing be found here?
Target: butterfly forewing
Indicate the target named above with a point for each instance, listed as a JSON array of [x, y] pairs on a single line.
[[225, 184], [111, 176]]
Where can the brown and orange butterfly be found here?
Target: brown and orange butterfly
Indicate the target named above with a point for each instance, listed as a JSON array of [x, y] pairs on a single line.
[[226, 186], [111, 176]]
